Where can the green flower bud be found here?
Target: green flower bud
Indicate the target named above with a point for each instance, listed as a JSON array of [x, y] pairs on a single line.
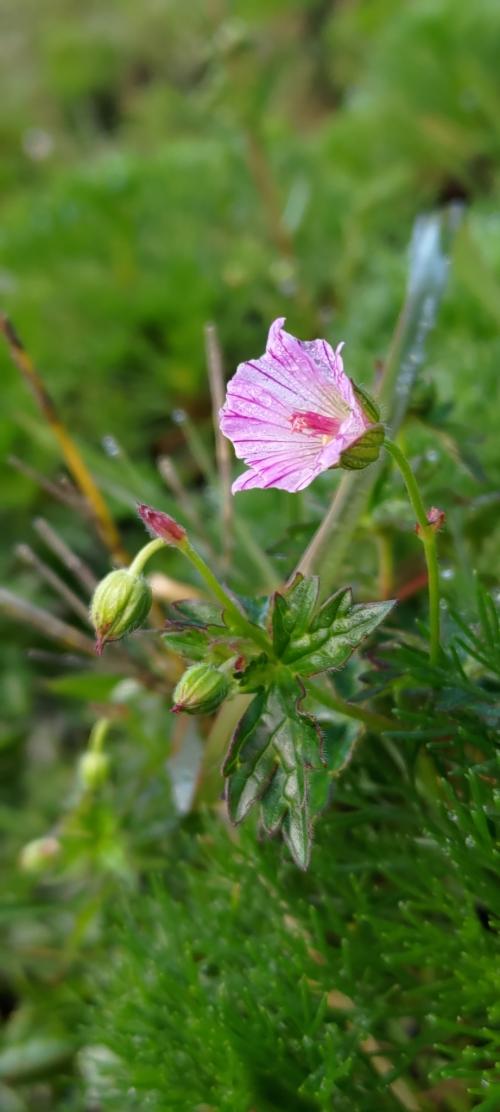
[[93, 769], [200, 690], [121, 603], [38, 855]]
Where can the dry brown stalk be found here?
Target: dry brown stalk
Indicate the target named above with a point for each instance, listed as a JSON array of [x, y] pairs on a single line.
[[42, 620], [70, 559], [72, 456], [29, 557]]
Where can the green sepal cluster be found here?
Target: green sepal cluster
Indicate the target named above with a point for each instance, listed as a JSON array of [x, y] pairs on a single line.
[[366, 449]]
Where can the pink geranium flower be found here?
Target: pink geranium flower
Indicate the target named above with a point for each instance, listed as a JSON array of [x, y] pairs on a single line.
[[292, 413]]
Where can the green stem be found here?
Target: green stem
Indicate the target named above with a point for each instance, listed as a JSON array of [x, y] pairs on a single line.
[[98, 735], [376, 722], [139, 561], [428, 537], [238, 618]]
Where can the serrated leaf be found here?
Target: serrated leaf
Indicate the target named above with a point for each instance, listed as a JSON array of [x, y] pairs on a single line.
[[270, 759], [311, 642], [190, 642], [297, 833], [331, 647], [274, 803], [336, 606], [293, 610], [339, 742], [195, 612], [256, 609], [250, 760]]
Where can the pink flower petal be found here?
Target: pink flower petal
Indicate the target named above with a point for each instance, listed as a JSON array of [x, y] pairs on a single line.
[[291, 412]]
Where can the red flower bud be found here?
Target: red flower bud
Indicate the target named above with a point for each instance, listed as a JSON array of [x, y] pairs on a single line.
[[161, 525], [436, 519]]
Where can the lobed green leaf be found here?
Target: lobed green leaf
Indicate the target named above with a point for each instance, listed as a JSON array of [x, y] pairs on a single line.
[[310, 643], [274, 748]]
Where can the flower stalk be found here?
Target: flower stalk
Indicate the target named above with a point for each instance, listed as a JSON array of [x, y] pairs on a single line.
[[427, 534], [140, 560], [169, 532]]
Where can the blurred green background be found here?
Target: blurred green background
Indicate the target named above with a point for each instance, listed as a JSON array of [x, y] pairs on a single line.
[[164, 165]]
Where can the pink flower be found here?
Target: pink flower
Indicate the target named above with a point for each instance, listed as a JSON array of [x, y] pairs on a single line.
[[292, 413]]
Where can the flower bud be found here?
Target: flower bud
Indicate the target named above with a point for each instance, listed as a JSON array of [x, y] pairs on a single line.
[[39, 854], [436, 519], [93, 769], [161, 525], [121, 603], [200, 690]]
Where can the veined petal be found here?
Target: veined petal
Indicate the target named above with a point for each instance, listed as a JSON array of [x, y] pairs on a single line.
[[291, 476], [316, 380], [291, 413]]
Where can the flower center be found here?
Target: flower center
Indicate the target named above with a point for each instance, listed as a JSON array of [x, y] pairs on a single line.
[[317, 424]]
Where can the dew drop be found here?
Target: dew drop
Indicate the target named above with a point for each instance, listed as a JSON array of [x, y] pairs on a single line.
[[111, 446]]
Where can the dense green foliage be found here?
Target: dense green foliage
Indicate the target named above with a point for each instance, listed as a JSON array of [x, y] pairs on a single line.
[[238, 163]]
